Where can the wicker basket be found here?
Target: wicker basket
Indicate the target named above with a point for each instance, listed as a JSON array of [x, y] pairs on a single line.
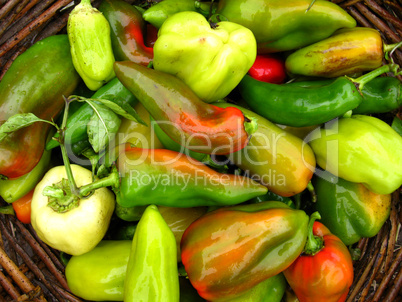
[[31, 271]]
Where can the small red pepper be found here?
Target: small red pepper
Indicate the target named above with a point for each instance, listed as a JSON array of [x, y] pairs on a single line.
[[324, 271], [128, 30], [268, 68], [22, 207]]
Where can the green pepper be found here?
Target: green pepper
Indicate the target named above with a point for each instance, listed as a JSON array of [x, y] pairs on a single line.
[[361, 149], [211, 61], [349, 209], [158, 13], [127, 31], [277, 159], [90, 44], [76, 127], [13, 189], [152, 273], [300, 106], [99, 274], [285, 25], [25, 89], [347, 51], [129, 213], [182, 115], [169, 178], [228, 251]]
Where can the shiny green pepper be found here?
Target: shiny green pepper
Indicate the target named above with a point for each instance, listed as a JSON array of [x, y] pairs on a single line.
[[98, 275], [349, 209], [210, 60], [152, 273], [362, 149], [285, 25], [90, 43]]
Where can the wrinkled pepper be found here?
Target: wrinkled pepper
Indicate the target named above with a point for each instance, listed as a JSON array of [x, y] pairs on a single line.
[[285, 25], [152, 273], [90, 44], [346, 52], [210, 59], [185, 117], [228, 251], [324, 271], [128, 30], [99, 274], [73, 226], [76, 127], [169, 178], [25, 88], [361, 149], [349, 209], [279, 160]]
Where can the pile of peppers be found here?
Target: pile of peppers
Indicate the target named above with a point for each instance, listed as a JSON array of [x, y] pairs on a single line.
[[180, 150]]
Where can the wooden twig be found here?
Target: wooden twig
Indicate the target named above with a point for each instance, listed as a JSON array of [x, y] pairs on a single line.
[[359, 17], [11, 17], [7, 8], [8, 286], [67, 295], [384, 14], [394, 290]]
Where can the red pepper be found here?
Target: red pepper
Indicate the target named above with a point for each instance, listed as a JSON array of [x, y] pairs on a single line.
[[268, 68], [324, 271], [128, 30], [22, 207]]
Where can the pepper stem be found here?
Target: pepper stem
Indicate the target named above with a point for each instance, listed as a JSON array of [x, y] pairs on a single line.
[[364, 79], [7, 210], [391, 47], [113, 180], [314, 243]]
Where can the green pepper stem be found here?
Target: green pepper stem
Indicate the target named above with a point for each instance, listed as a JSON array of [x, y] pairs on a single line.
[[250, 125], [364, 79], [113, 180], [86, 2], [7, 210], [314, 243], [310, 188], [391, 47]]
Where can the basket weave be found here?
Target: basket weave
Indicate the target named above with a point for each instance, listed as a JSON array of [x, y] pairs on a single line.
[[32, 271]]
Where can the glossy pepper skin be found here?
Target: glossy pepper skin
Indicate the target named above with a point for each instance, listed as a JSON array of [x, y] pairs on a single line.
[[347, 51], [349, 209], [285, 25], [25, 88], [344, 147], [325, 275], [268, 68], [76, 127], [152, 273], [128, 30], [185, 117], [170, 178], [277, 159], [210, 59], [99, 274], [91, 47], [228, 251], [300, 106]]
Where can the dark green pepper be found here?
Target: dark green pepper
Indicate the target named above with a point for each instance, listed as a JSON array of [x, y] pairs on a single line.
[[300, 106], [349, 209], [76, 128]]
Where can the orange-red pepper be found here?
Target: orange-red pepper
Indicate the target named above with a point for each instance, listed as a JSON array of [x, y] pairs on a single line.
[[22, 207]]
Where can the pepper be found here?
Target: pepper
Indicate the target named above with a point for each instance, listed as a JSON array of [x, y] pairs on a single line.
[[210, 60], [90, 45], [360, 149], [268, 68], [279, 160], [22, 207], [324, 272], [14, 189], [159, 12], [349, 209], [74, 226], [25, 89], [300, 106], [98, 275], [346, 52], [76, 127], [127, 31], [152, 273], [169, 178], [228, 251], [286, 25], [185, 117]]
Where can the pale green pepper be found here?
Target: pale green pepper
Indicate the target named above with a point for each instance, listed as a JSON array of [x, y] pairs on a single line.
[[210, 60], [361, 149], [90, 43]]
